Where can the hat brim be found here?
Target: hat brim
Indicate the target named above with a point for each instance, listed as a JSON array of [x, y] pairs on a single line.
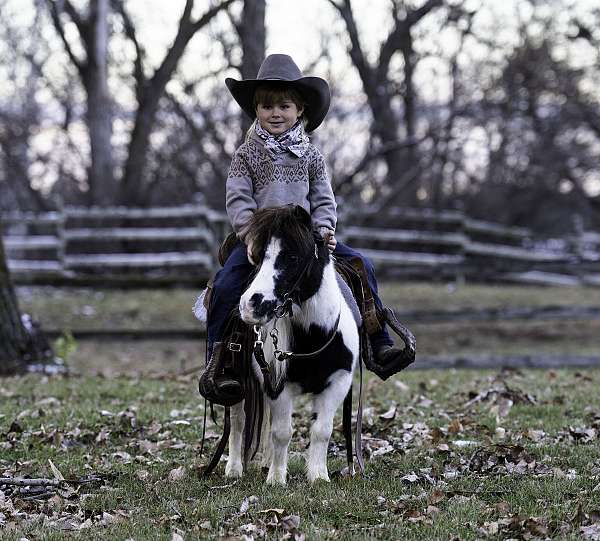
[[314, 90]]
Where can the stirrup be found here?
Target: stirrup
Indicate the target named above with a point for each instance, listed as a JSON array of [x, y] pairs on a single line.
[[216, 386], [403, 358]]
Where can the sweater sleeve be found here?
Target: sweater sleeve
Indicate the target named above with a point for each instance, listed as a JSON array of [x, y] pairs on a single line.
[[239, 193], [320, 194]]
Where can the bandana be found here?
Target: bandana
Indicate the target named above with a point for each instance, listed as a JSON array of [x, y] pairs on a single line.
[[293, 140]]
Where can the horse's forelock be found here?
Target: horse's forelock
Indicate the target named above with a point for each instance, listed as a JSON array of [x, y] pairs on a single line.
[[280, 222]]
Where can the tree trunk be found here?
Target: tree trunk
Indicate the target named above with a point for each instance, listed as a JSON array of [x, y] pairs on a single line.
[[252, 34], [93, 71], [21, 340], [13, 337], [20, 344], [99, 108]]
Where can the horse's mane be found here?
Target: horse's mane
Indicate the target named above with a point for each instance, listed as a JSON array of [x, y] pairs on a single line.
[[290, 223]]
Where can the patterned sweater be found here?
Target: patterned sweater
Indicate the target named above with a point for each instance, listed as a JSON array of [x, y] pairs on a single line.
[[256, 181]]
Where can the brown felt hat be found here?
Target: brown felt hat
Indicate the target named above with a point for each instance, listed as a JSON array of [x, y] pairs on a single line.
[[280, 68]]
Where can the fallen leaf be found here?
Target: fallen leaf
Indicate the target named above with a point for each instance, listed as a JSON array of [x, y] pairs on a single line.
[[277, 511], [176, 474], [246, 502], [410, 478], [290, 522], [436, 496], [591, 532], [389, 414], [55, 471], [142, 475]]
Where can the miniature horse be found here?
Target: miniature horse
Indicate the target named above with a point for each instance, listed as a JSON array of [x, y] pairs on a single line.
[[296, 277]]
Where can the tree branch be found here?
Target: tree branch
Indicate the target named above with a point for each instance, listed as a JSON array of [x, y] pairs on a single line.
[[55, 11], [130, 32]]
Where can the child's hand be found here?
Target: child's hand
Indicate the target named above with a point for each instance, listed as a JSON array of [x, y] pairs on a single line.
[[329, 237]]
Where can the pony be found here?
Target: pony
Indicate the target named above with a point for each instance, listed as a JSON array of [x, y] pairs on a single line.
[[313, 323]]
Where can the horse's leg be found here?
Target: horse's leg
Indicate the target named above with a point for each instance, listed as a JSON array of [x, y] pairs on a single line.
[[281, 434], [324, 407], [234, 467]]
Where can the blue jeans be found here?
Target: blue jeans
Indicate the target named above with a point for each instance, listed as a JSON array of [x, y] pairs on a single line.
[[230, 282]]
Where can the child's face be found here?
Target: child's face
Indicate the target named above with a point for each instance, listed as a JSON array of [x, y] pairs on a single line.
[[278, 117]]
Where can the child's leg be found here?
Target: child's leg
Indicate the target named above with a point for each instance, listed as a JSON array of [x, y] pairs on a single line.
[[382, 337], [228, 287]]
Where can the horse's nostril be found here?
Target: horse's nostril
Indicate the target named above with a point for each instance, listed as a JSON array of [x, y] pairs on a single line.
[[261, 307]]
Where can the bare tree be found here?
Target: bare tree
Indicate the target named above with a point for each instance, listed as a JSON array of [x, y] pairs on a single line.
[[20, 112], [251, 30], [93, 30], [149, 90], [380, 88], [93, 72]]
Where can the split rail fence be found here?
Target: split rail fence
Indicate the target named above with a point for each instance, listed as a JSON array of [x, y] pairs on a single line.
[[112, 246], [176, 245]]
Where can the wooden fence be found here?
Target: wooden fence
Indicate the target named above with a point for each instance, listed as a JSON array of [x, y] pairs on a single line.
[[112, 246], [447, 245]]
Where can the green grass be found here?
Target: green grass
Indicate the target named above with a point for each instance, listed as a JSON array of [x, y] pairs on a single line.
[[70, 309], [76, 308], [459, 491], [528, 471]]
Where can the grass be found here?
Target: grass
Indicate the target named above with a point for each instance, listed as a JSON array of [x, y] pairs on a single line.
[[135, 431], [446, 461], [81, 308], [75, 308]]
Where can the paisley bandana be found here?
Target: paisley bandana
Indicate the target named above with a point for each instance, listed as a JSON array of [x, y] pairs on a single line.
[[293, 140]]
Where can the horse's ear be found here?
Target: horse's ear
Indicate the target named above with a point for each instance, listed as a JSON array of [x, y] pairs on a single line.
[[303, 216]]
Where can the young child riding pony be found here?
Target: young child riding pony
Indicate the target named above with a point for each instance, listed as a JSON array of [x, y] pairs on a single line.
[[278, 165]]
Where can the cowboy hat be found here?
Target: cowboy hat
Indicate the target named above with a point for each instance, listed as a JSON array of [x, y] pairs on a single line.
[[282, 69]]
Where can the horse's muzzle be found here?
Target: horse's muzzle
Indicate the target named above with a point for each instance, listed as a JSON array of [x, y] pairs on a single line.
[[256, 310]]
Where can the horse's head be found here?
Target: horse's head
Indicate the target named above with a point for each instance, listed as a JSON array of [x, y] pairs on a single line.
[[290, 261]]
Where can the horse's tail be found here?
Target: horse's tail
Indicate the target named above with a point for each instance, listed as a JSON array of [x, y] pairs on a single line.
[[254, 409], [265, 449]]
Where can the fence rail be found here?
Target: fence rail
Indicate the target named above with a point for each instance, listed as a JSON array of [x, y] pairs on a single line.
[[113, 246]]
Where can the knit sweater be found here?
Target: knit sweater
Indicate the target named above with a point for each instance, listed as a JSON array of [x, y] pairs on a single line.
[[256, 180]]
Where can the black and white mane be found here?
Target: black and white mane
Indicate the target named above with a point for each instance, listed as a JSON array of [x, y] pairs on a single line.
[[297, 291]]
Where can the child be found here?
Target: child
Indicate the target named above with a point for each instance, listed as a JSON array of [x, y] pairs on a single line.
[[277, 165]]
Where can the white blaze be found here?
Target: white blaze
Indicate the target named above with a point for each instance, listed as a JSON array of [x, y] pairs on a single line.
[[263, 283]]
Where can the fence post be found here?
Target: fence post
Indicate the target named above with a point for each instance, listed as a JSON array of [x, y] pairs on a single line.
[[60, 235], [460, 277], [578, 245]]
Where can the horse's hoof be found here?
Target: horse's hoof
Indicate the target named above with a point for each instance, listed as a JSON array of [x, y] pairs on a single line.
[[233, 470], [276, 478], [314, 477]]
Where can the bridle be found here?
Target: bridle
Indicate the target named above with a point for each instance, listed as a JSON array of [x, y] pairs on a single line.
[[293, 295], [285, 309]]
